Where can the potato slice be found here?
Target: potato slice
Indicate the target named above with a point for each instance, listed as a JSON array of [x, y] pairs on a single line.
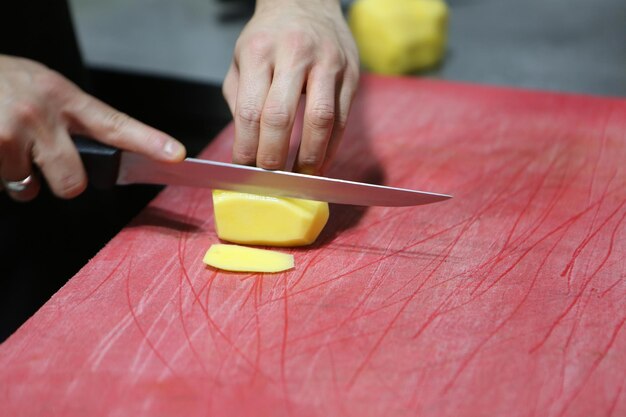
[[270, 221], [243, 259]]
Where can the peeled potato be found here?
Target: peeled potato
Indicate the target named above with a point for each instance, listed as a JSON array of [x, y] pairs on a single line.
[[399, 36], [243, 259], [269, 221]]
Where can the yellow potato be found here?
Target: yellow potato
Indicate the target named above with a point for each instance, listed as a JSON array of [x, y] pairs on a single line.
[[243, 259], [270, 221], [399, 36]]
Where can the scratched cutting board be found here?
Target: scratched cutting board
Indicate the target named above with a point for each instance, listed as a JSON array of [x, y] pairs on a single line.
[[509, 300]]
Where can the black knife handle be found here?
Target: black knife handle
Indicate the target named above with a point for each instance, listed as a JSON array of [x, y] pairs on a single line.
[[102, 162]]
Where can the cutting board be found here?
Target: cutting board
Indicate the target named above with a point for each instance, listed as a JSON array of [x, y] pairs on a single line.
[[508, 300]]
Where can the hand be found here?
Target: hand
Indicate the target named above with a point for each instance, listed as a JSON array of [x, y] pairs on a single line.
[[290, 47], [39, 109]]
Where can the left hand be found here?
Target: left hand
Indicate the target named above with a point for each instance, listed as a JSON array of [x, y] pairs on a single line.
[[290, 47]]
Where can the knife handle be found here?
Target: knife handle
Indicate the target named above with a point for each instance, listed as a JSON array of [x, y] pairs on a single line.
[[102, 162]]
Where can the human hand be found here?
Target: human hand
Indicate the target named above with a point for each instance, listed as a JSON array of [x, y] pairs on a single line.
[[290, 47], [39, 109]]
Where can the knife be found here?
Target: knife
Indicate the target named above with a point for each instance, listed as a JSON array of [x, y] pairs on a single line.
[[107, 167]]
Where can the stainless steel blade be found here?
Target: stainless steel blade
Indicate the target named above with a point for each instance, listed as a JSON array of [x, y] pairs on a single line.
[[136, 169]]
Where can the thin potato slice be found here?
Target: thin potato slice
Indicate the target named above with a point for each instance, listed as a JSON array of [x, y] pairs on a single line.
[[243, 259]]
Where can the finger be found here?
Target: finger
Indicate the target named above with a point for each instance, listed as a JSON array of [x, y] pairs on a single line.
[[16, 170], [96, 119], [253, 86], [229, 89], [319, 118], [344, 104], [279, 112], [59, 162]]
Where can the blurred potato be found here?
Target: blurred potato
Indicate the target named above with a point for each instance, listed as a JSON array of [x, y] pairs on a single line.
[[399, 36]]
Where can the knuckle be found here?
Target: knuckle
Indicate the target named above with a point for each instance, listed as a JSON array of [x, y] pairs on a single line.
[[244, 156], [310, 162], [249, 114], [26, 113], [269, 161], [70, 185], [258, 46], [65, 184], [300, 43], [151, 139], [51, 84], [117, 122], [7, 138], [45, 159], [334, 55], [322, 116], [276, 118]]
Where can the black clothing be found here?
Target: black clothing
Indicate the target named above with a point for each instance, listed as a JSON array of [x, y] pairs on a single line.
[[42, 30], [45, 242]]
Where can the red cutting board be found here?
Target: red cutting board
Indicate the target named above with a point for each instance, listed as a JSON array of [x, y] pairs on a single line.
[[508, 300]]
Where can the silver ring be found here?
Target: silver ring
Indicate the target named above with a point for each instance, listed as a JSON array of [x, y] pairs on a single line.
[[18, 186]]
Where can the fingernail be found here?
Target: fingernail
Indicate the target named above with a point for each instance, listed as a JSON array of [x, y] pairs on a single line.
[[173, 148]]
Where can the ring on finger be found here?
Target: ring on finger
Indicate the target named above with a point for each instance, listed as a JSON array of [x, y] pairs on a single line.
[[18, 186]]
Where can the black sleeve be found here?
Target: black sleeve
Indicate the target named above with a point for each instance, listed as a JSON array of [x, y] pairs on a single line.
[[42, 30], [43, 243]]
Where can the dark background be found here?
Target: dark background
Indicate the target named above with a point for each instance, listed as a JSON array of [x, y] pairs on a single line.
[[162, 62]]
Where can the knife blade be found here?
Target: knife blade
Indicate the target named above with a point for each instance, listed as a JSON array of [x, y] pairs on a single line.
[[107, 166]]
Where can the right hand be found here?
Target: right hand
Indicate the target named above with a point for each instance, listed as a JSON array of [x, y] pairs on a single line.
[[40, 109], [288, 48]]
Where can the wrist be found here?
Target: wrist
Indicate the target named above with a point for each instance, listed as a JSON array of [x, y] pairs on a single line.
[[272, 4]]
